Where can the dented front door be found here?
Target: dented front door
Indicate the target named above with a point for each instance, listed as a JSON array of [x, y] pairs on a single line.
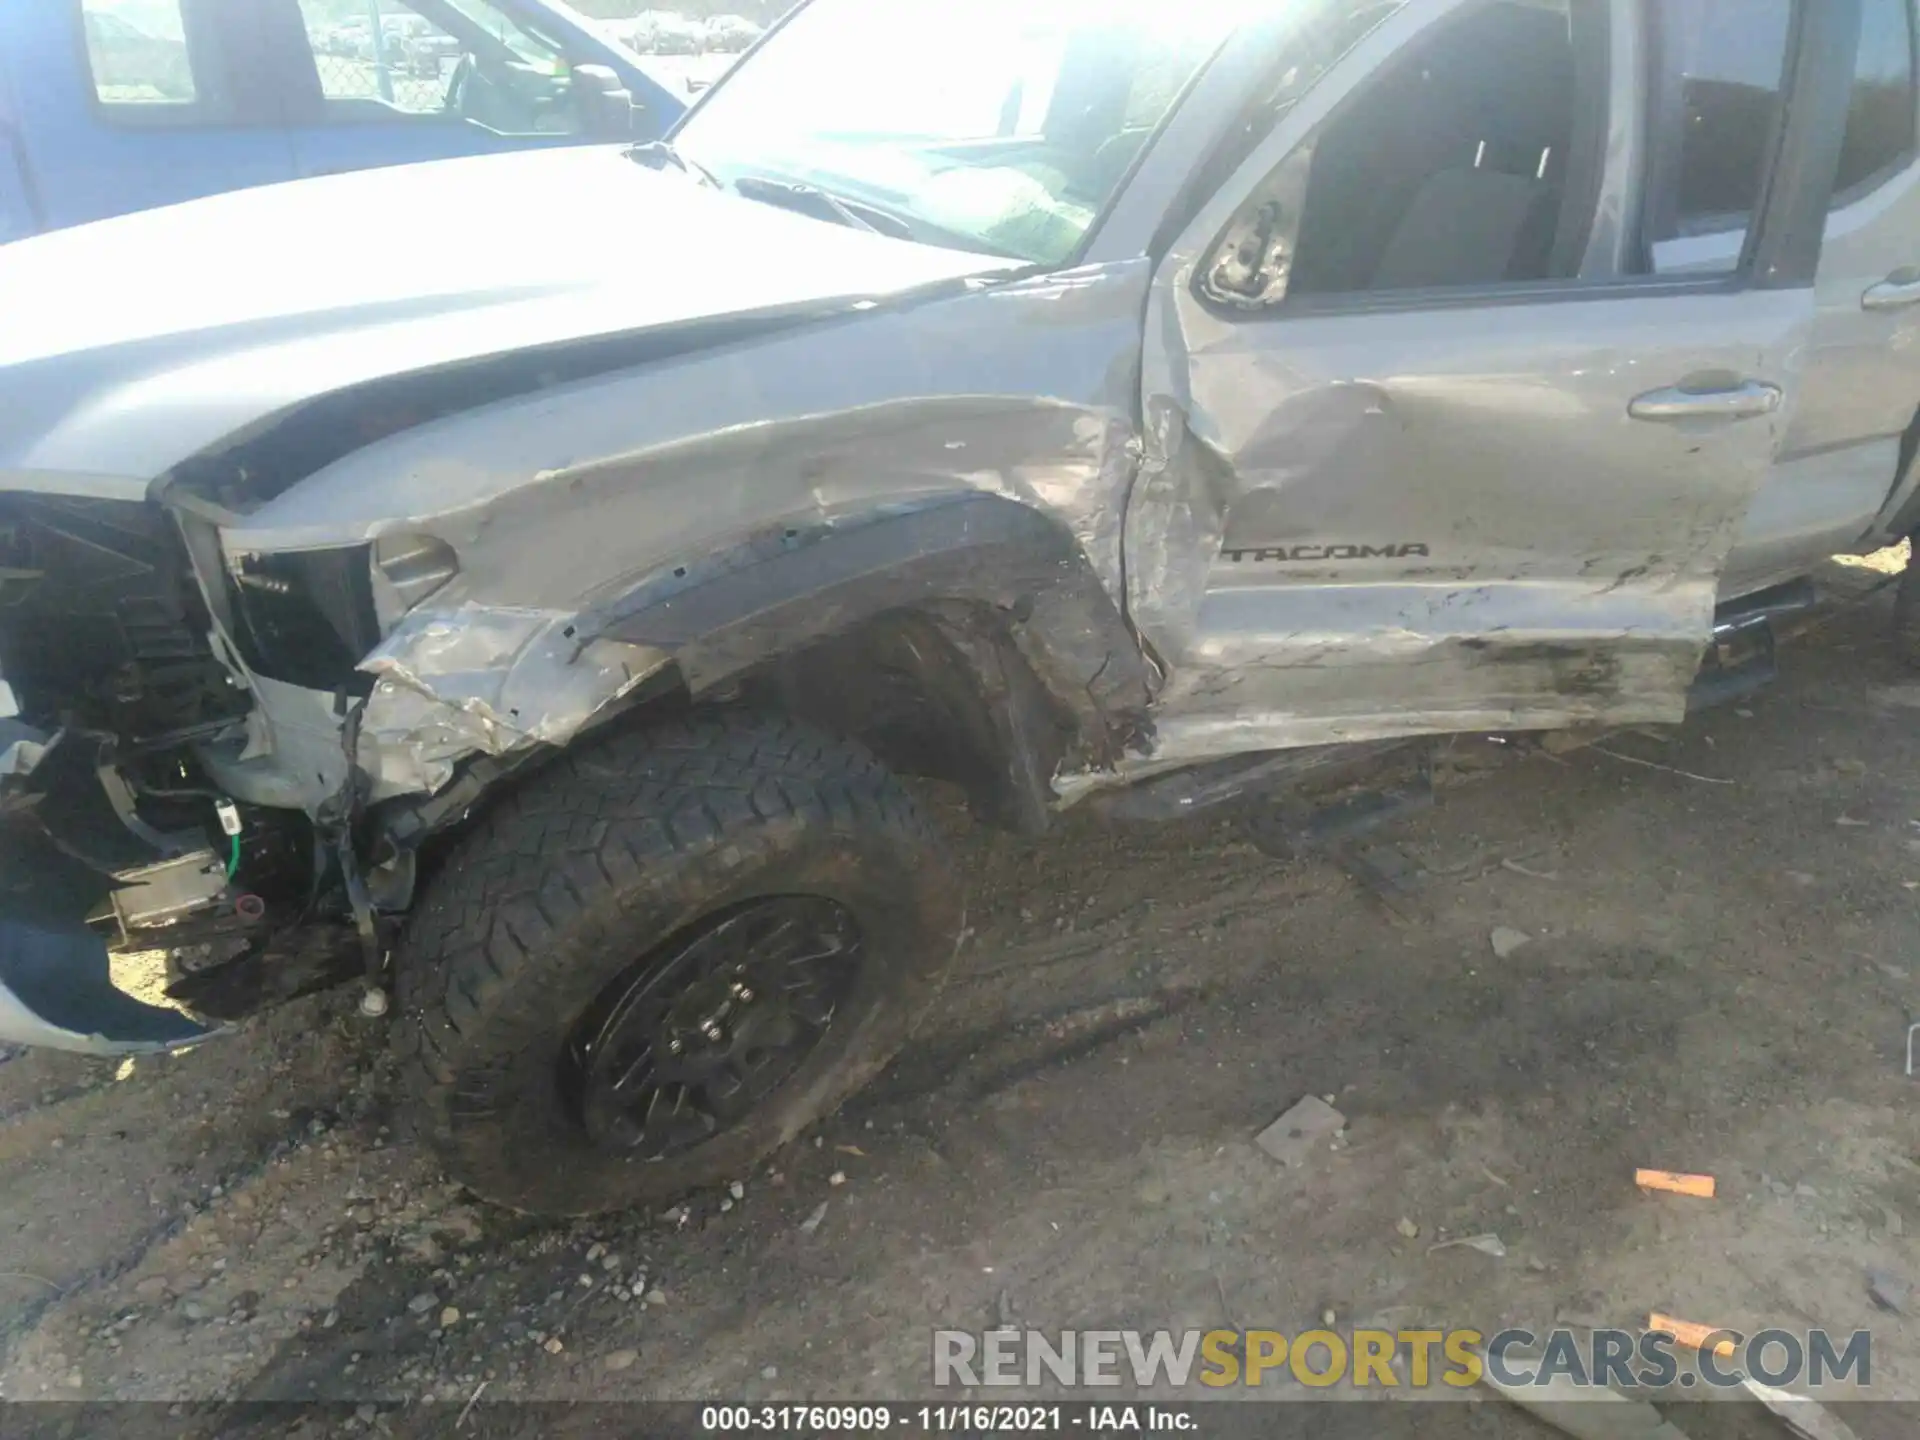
[[1382, 525], [1501, 509]]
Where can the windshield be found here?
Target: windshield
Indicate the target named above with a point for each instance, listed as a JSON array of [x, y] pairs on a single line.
[[521, 38], [999, 125]]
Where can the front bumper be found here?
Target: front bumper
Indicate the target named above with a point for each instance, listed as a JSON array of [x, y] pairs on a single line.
[[56, 977], [57, 991]]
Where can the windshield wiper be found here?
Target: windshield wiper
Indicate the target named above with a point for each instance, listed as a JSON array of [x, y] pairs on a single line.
[[812, 200], [658, 154]]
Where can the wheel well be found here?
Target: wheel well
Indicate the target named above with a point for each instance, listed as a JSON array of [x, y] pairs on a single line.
[[938, 691], [966, 639]]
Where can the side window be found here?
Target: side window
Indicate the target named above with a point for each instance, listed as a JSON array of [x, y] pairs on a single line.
[[396, 63], [1157, 85], [1719, 72], [462, 60], [1880, 119], [1454, 166], [138, 54]]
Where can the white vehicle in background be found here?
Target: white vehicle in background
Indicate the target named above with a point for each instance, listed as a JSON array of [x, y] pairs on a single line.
[[348, 40], [730, 35], [678, 35], [686, 53]]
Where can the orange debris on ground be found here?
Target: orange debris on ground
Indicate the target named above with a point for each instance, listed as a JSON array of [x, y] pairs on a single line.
[[1693, 1336], [1675, 1183]]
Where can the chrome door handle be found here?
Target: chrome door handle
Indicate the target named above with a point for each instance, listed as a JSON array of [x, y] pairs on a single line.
[[1738, 402], [1891, 295]]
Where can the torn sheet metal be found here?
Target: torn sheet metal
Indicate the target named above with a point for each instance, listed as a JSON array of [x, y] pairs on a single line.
[[484, 681], [548, 497], [557, 501], [290, 755]]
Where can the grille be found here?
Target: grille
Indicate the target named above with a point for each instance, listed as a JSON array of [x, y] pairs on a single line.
[[100, 622]]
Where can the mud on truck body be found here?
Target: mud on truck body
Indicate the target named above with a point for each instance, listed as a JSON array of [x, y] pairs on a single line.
[[530, 606]]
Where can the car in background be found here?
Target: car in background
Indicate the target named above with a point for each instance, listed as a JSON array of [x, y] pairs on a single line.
[[634, 34], [676, 35], [427, 50], [352, 39], [730, 35], [683, 53], [111, 106]]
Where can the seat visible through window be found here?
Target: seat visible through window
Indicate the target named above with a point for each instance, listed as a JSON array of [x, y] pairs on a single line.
[[1451, 168]]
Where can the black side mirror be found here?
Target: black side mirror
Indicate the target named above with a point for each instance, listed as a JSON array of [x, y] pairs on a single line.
[[606, 106]]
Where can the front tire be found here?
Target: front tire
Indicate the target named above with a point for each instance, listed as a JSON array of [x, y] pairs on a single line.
[[656, 963]]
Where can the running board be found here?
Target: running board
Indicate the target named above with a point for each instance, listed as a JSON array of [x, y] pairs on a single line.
[[1742, 656], [1287, 835]]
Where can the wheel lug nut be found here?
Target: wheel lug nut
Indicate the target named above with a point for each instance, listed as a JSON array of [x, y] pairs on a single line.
[[710, 1030], [674, 1047], [743, 994]]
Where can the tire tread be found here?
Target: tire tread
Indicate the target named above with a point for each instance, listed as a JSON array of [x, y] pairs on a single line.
[[549, 864]]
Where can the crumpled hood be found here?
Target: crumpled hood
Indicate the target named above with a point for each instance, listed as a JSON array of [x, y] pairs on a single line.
[[129, 345]]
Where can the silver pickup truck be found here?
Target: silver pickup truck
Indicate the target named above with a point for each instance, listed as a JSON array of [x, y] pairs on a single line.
[[520, 582]]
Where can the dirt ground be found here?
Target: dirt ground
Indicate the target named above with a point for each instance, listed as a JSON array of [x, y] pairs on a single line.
[[1718, 975]]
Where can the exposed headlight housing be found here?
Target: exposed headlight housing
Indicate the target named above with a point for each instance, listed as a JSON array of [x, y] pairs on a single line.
[[407, 568], [306, 617]]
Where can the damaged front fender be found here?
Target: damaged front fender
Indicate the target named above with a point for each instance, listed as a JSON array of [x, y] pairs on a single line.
[[449, 685], [575, 529], [475, 680]]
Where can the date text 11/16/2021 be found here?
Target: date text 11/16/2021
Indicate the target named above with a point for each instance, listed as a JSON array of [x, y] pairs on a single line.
[[958, 1419]]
